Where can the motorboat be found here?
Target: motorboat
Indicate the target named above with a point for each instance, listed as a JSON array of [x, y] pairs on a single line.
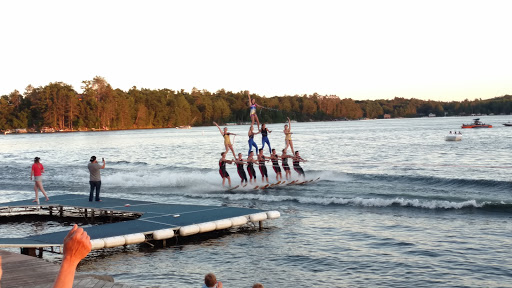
[[508, 124], [453, 137], [476, 124]]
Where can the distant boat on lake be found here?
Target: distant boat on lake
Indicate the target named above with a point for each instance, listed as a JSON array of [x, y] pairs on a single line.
[[476, 124]]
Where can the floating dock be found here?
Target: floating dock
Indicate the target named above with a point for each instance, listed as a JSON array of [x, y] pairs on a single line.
[[139, 221]]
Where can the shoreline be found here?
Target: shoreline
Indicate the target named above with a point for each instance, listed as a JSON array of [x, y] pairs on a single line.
[[26, 131]]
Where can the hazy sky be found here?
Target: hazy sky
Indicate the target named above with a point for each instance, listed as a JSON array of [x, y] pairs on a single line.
[[442, 50]]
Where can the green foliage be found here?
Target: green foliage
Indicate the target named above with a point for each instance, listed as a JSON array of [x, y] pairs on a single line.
[[59, 106]]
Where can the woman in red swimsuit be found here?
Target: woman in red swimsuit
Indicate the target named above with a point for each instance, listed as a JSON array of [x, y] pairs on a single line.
[[37, 173]]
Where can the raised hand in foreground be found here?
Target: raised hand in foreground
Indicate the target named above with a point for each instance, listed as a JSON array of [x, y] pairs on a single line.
[[77, 244]]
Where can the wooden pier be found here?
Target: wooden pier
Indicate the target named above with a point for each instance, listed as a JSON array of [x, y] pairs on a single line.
[[26, 271]]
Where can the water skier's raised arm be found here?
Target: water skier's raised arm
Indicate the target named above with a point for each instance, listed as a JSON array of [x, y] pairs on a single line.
[[220, 130]]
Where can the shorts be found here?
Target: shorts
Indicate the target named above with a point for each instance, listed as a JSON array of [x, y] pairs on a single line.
[[299, 171], [38, 178], [242, 175], [277, 169], [263, 171], [286, 168], [252, 172], [223, 173]]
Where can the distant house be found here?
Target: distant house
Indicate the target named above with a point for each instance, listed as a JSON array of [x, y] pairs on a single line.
[[431, 115], [387, 116]]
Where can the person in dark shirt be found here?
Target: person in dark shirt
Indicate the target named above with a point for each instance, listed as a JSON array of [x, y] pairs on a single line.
[[222, 169]]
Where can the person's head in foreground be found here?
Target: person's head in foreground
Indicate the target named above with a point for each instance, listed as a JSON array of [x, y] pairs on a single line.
[[210, 281]]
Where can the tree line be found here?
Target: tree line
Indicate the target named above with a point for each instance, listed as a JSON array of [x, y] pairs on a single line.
[[59, 106]]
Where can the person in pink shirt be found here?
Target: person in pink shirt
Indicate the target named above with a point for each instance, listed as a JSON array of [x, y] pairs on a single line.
[[37, 173]]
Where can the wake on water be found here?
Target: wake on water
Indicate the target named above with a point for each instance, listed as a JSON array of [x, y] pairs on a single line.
[[327, 192], [333, 189]]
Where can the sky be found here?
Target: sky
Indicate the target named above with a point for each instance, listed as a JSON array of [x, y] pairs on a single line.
[[439, 50]]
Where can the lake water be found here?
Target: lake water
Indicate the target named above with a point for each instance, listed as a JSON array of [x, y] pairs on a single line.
[[396, 204]]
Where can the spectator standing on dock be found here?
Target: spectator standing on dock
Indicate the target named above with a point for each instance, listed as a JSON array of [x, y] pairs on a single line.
[[210, 281], [37, 170], [95, 177]]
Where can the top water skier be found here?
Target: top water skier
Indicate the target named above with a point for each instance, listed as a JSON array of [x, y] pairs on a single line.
[[227, 141], [253, 105]]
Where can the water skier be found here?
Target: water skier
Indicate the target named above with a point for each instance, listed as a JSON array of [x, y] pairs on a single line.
[[251, 140], [264, 137], [288, 136], [253, 105], [240, 169], [286, 167], [227, 141], [222, 169], [296, 165], [250, 167], [275, 164], [263, 168]]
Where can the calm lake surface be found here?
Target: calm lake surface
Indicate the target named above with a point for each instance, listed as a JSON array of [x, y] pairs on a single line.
[[396, 204]]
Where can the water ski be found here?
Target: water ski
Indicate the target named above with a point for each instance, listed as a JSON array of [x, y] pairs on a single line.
[[233, 188], [265, 187], [308, 181], [275, 184]]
